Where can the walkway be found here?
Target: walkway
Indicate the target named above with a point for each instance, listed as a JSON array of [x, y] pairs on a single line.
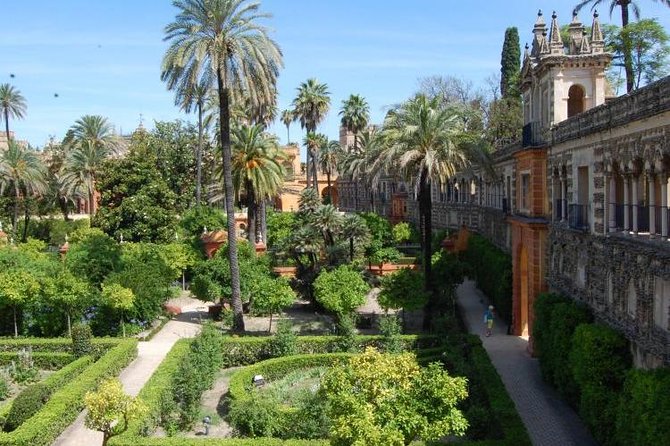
[[149, 355], [548, 419]]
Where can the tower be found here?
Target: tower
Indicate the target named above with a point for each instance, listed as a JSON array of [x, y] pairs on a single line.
[[560, 79]]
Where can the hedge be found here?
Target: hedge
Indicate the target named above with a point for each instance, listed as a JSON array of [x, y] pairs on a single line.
[[244, 350], [54, 345], [15, 415], [492, 269], [65, 404], [41, 360]]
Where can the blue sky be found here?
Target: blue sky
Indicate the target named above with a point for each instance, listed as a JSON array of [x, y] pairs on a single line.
[[103, 56]]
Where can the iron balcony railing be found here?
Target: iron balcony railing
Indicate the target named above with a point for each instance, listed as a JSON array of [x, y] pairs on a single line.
[[532, 135], [578, 217]]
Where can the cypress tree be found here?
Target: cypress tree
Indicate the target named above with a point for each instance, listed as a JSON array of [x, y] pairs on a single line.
[[510, 63]]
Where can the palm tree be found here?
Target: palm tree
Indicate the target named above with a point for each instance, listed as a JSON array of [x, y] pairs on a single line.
[[627, 50], [312, 142], [357, 164], [90, 142], [287, 118], [257, 169], [329, 154], [23, 172], [425, 140], [355, 114], [329, 221], [12, 103], [354, 229], [223, 37], [310, 107]]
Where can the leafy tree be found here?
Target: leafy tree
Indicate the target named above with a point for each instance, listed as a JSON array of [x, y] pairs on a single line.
[[68, 293], [271, 296], [93, 255], [355, 114], [280, 226], [379, 227], [12, 103], [627, 48], [287, 118], [22, 171], [91, 140], [136, 202], [401, 232], [387, 399], [341, 290], [257, 169], [109, 409], [428, 142], [510, 64], [119, 298], [17, 288], [195, 220], [310, 107], [403, 289], [356, 231], [649, 46], [224, 37]]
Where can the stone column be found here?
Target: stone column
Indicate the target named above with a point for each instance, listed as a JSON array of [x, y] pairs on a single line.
[[564, 200], [651, 177], [626, 203], [664, 205], [612, 203], [635, 204], [553, 198], [606, 207]]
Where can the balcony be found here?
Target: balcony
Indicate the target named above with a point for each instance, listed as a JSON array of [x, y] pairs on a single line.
[[578, 217], [532, 135]]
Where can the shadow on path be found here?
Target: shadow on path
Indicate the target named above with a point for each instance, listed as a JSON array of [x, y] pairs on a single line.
[[550, 421]]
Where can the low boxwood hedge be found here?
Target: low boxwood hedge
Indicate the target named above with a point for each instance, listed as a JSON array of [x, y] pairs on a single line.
[[32, 398], [54, 345], [180, 441], [41, 360], [65, 404]]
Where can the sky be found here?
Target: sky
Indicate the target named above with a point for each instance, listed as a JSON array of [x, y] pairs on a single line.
[[70, 58]]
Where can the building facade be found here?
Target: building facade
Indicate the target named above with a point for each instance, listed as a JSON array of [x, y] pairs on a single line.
[[581, 203]]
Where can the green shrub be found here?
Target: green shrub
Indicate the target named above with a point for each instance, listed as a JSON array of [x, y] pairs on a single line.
[[346, 329], [257, 416], [599, 360], [283, 343], [492, 269], [643, 416], [390, 331], [40, 360], [26, 404], [66, 403], [81, 340], [341, 290]]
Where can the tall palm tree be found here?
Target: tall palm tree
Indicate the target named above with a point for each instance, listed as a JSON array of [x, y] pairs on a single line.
[[312, 142], [329, 154], [12, 103], [355, 114], [354, 229], [357, 164], [310, 107], [90, 142], [22, 171], [625, 14], [224, 37], [425, 140], [257, 169], [287, 118]]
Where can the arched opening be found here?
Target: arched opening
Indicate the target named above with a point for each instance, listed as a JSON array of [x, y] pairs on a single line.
[[524, 288], [575, 100]]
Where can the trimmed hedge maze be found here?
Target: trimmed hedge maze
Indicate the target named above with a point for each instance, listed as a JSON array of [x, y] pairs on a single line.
[[42, 411], [462, 355]]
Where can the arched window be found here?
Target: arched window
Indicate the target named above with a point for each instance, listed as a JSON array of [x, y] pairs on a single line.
[[575, 100]]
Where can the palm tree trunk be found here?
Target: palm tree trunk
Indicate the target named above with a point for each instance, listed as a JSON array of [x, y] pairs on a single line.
[[16, 327], [425, 219], [26, 220], [351, 249], [7, 124], [69, 325], [264, 221], [288, 135], [330, 190], [62, 203], [627, 50], [252, 212], [224, 113], [315, 170], [198, 158], [15, 217], [308, 163]]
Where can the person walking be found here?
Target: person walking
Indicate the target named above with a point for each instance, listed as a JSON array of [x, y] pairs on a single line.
[[488, 320]]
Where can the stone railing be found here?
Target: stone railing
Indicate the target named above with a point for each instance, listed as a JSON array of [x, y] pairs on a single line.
[[639, 104]]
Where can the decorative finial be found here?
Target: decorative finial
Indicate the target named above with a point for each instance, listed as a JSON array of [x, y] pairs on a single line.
[[204, 230], [121, 238], [595, 13], [574, 13], [553, 15], [66, 238], [526, 47], [539, 12]]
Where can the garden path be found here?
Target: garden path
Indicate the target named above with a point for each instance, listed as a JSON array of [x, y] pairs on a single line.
[[548, 419], [149, 356]]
